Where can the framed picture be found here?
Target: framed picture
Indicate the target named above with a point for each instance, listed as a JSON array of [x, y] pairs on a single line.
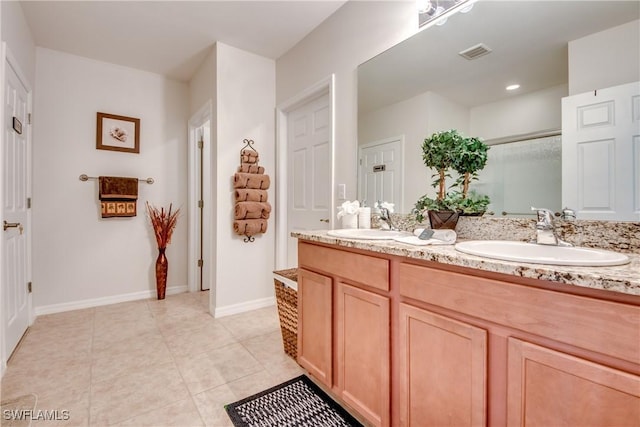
[[118, 133]]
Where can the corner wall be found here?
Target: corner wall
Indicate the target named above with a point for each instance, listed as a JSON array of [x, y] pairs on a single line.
[[79, 258], [17, 34], [355, 33], [245, 109]]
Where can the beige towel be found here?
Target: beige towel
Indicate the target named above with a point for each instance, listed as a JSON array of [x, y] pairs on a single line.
[[249, 156], [250, 180], [249, 227], [248, 195], [249, 168], [252, 210]]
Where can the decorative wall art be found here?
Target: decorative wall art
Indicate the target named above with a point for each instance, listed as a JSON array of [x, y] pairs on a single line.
[[118, 133]]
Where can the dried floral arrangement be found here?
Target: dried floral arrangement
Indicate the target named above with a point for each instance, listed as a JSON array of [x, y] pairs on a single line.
[[163, 222]]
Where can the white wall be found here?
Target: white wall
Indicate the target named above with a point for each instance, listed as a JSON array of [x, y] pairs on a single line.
[[245, 109], [202, 86], [531, 112], [80, 258], [17, 35], [355, 33], [605, 59]]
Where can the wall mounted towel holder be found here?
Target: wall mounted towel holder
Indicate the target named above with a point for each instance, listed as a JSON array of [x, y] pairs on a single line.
[[85, 177], [250, 176], [248, 144]]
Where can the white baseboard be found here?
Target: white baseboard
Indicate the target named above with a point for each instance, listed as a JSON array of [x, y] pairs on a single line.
[[255, 304], [96, 302]]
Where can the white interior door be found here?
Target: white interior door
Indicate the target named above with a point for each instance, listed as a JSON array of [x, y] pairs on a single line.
[[380, 172], [200, 201], [15, 216], [601, 153], [309, 165]]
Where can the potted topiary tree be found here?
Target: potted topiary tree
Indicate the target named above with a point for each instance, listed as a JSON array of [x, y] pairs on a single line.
[[444, 151], [438, 152]]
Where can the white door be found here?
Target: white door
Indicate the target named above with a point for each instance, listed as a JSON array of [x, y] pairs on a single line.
[[309, 165], [200, 201], [601, 153], [15, 171], [380, 172]]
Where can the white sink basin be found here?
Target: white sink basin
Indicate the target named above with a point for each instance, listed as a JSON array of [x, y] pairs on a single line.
[[367, 234], [541, 254]]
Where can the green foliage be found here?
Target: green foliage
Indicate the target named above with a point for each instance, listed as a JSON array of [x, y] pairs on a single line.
[[474, 203], [438, 152], [469, 158], [450, 202], [449, 150]]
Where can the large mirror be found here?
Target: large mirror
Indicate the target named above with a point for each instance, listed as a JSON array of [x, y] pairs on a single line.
[[424, 85]]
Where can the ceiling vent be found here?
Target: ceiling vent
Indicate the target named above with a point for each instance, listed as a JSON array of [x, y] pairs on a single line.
[[475, 51]]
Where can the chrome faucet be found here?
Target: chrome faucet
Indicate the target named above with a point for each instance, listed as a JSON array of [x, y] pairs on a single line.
[[568, 214], [545, 231], [385, 216]]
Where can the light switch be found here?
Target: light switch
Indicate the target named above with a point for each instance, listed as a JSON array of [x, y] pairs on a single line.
[[342, 191]]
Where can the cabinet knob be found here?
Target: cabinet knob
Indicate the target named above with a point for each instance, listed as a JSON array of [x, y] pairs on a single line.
[[325, 220]]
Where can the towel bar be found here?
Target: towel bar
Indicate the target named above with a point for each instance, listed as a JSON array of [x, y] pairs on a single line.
[[85, 177]]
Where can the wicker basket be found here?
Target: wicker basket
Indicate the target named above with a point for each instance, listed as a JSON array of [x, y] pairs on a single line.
[[287, 299]]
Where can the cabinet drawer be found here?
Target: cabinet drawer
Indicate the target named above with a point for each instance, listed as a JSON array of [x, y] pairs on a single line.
[[583, 322], [358, 268]]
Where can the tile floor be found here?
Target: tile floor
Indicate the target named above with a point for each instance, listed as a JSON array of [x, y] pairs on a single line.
[[147, 363]]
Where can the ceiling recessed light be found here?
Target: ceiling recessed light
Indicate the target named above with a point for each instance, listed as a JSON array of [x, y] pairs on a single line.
[[512, 87]]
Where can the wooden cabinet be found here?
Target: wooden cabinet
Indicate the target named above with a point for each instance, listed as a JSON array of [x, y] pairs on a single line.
[[362, 350], [407, 342], [343, 327], [315, 323], [443, 370], [547, 387]]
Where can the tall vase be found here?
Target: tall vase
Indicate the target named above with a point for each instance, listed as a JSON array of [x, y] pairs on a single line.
[[162, 266]]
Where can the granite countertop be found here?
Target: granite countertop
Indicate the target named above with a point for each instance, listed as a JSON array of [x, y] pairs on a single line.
[[624, 278]]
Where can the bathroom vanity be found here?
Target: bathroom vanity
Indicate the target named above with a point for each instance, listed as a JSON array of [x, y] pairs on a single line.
[[427, 336]]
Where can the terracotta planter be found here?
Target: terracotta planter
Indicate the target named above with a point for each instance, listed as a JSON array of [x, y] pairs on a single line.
[[443, 219], [162, 267]]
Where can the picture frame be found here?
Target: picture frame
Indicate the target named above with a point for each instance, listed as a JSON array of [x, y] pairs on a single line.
[[117, 133]]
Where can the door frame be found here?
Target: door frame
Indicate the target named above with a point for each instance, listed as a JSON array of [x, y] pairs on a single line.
[[8, 58], [402, 165], [204, 114], [325, 86]]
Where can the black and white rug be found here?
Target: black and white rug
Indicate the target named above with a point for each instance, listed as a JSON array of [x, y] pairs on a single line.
[[297, 402]]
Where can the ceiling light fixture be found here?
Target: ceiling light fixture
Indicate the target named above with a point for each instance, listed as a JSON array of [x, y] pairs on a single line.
[[513, 87], [436, 12]]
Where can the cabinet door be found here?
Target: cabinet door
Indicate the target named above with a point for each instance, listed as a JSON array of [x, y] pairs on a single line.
[[314, 325], [362, 349], [547, 387], [443, 369]]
